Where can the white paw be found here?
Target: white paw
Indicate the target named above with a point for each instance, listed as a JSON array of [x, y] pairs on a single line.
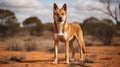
[[54, 62], [72, 59], [67, 62], [81, 60], [60, 33]]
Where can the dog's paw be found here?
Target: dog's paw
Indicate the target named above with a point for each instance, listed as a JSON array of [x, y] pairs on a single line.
[[67, 62], [54, 62], [60, 33], [72, 59], [81, 60]]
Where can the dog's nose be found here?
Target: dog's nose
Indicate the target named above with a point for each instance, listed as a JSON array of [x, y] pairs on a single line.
[[60, 18]]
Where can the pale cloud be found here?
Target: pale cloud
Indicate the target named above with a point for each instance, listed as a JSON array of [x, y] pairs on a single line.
[[20, 3], [80, 10], [25, 8]]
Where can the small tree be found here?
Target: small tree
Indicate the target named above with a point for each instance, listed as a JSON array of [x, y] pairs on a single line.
[[115, 14], [8, 23], [34, 25]]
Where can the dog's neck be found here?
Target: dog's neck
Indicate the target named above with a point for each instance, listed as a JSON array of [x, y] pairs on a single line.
[[60, 27]]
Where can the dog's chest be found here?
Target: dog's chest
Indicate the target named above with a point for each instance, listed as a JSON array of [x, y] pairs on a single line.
[[61, 37]]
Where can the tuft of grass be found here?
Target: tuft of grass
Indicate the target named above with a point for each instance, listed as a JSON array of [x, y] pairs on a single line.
[[45, 45], [31, 45], [15, 45]]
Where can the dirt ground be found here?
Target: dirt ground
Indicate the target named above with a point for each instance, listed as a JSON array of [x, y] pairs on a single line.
[[96, 56]]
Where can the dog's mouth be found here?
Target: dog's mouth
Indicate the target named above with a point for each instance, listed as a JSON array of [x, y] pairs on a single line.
[[60, 19]]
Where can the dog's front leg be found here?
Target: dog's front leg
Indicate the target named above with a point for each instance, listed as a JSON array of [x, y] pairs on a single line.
[[67, 52], [56, 52], [60, 29]]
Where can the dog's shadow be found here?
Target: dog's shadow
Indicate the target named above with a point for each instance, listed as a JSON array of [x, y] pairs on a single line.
[[45, 61], [34, 61]]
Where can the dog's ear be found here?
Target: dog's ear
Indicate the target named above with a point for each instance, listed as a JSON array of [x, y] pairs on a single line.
[[55, 7], [64, 7]]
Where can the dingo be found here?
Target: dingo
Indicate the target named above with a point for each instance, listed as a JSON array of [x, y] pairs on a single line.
[[66, 33]]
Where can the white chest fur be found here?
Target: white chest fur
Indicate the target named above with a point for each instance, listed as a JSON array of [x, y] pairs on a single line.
[[57, 35], [60, 28]]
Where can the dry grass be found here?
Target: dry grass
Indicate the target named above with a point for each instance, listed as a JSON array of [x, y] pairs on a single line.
[[43, 43], [30, 43], [23, 45], [16, 45], [34, 43]]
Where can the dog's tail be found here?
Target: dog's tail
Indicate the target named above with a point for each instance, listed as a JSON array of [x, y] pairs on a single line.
[[83, 48], [81, 42]]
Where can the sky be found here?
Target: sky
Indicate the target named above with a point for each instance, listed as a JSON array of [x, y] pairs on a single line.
[[77, 10]]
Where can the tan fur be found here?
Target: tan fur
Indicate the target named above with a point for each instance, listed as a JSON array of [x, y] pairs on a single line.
[[66, 33]]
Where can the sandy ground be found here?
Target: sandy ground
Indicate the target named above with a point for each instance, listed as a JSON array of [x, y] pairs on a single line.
[[96, 56]]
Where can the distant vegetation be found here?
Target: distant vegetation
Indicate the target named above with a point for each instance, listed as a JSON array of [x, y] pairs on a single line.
[[104, 30], [8, 23], [33, 25]]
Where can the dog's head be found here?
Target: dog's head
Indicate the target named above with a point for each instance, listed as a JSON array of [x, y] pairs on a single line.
[[59, 14]]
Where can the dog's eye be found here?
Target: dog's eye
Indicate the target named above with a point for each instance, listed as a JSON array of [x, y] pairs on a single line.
[[57, 14], [62, 13]]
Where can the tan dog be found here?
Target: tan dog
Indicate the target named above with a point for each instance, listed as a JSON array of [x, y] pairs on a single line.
[[66, 33]]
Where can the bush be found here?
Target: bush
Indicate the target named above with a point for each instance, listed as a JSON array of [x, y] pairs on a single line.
[[103, 30]]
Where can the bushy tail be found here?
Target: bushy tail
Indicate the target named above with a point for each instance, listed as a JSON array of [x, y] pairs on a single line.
[[81, 40], [83, 48]]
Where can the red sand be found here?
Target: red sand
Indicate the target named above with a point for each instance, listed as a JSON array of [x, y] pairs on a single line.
[[102, 56]]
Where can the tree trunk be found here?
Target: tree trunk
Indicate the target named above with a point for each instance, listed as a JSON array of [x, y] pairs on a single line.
[[118, 22]]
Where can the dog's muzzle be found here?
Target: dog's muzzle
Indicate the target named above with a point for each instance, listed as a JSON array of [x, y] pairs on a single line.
[[60, 19]]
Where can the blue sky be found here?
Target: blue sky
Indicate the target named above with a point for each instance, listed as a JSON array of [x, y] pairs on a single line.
[[78, 10]]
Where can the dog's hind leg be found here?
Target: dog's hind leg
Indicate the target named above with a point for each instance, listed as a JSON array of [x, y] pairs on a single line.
[[81, 44], [72, 49]]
